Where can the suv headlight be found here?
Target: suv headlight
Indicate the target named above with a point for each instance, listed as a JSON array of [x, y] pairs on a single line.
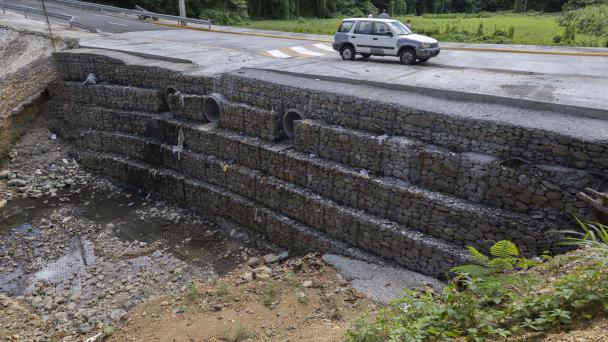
[[425, 45]]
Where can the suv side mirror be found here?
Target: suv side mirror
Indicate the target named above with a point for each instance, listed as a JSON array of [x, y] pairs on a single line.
[[389, 33]]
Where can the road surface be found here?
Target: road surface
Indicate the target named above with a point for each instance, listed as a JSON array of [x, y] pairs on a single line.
[[103, 23], [562, 79]]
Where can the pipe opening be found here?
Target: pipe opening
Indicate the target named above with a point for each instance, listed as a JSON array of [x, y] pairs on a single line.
[[170, 90], [212, 109], [288, 119]]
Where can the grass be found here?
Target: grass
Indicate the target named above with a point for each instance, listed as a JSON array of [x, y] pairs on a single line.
[[533, 29]]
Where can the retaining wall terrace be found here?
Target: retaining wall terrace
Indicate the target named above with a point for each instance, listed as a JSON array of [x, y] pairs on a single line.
[[405, 180]]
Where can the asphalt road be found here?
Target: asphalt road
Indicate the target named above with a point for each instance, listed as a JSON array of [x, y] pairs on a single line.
[[592, 67], [104, 23], [574, 80]]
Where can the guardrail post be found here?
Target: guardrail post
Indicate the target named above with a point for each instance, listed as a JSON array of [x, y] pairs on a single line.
[[3, 9], [25, 12]]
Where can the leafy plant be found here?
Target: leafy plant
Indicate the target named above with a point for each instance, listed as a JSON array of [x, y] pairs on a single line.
[[504, 255], [592, 236], [490, 307]]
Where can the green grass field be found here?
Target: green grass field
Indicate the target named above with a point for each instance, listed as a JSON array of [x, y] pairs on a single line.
[[537, 29]]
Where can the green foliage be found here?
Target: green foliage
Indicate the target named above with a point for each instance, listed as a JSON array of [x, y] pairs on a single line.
[[107, 331], [575, 4], [592, 20], [504, 256], [241, 334], [193, 291], [592, 236], [492, 306], [503, 28], [270, 294]]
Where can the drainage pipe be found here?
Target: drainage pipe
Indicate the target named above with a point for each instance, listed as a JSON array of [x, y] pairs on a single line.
[[170, 90], [289, 117], [212, 107]]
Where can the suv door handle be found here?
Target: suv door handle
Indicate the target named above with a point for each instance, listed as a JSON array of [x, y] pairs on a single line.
[[353, 36], [375, 38]]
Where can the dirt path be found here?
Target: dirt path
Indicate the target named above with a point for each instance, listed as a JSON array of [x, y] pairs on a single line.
[[301, 299]]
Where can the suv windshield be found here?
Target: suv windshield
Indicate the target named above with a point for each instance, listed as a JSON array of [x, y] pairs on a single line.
[[399, 28]]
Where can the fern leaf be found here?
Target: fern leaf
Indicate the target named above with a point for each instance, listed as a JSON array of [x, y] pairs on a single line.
[[501, 264], [504, 249], [477, 256], [471, 270]]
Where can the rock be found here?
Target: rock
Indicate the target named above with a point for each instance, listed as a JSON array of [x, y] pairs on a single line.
[[4, 174], [85, 328], [307, 283], [254, 261], [262, 272], [247, 277], [2, 203], [117, 314], [216, 307], [283, 255], [270, 258], [19, 183]]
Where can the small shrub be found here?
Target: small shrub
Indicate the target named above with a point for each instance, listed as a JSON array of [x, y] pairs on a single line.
[[504, 256], [181, 309], [193, 291], [222, 288], [270, 294], [592, 236], [511, 32], [557, 39], [480, 30], [302, 298], [242, 334], [107, 331]]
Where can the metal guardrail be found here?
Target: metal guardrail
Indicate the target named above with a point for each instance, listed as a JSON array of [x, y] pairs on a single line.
[[71, 19], [91, 6], [32, 10]]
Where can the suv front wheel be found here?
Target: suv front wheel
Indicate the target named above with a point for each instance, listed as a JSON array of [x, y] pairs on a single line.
[[347, 53], [408, 56]]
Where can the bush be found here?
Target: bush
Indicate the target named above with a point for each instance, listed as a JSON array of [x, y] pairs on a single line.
[[495, 305], [592, 20]]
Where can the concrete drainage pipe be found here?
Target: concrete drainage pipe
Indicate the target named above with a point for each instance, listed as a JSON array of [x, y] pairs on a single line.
[[212, 107], [170, 90], [289, 117]]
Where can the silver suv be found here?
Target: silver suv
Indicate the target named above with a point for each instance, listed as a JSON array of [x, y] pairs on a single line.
[[382, 37]]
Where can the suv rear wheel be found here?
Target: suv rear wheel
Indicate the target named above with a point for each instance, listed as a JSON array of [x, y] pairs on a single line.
[[347, 53], [408, 56]]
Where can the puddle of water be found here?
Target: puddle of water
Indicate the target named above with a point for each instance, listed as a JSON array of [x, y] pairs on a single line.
[[203, 247]]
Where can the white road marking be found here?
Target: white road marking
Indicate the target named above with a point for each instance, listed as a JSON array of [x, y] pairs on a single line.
[[278, 54], [109, 22], [304, 51], [323, 47]]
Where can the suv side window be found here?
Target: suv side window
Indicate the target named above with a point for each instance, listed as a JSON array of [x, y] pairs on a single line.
[[364, 27], [380, 29], [346, 26]]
